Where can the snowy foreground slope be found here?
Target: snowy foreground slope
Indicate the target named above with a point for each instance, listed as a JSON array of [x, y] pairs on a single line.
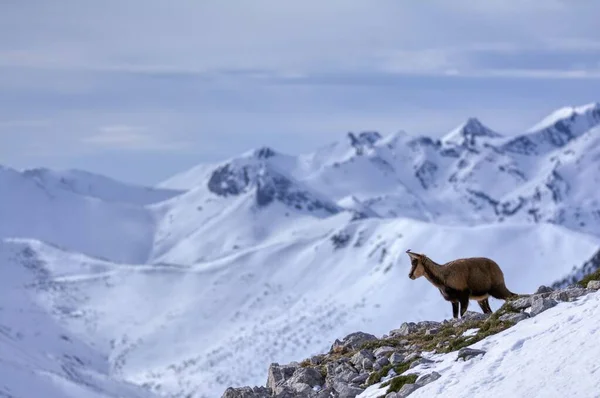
[[200, 283], [39, 357], [554, 354]]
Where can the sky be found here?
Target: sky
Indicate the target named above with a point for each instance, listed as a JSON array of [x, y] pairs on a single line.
[[142, 89]]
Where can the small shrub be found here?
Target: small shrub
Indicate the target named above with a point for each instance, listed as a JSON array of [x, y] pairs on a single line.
[[594, 276], [398, 382]]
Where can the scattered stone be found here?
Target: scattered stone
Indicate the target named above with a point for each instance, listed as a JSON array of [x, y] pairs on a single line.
[[342, 372], [352, 342], [396, 358], [247, 392], [316, 360], [360, 379], [405, 329], [560, 295], [278, 374], [411, 357], [428, 324], [595, 285], [514, 317], [474, 316], [420, 361], [432, 331], [577, 292], [360, 357], [428, 378], [540, 305], [522, 303], [406, 390], [383, 361], [468, 353], [302, 377], [367, 364], [544, 289], [383, 351], [346, 390]]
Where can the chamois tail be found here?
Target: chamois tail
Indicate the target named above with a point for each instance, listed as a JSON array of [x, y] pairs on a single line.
[[501, 292]]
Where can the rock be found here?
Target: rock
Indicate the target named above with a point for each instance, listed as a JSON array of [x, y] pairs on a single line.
[[420, 361], [310, 377], [342, 372], [353, 341], [316, 360], [360, 379], [247, 392], [432, 331], [468, 353], [540, 305], [359, 358], [278, 374], [514, 317], [412, 356], [405, 329], [544, 289], [560, 295], [428, 378], [383, 361], [367, 364], [346, 390], [428, 325], [406, 390], [383, 351], [595, 285], [396, 358], [522, 303], [474, 316], [391, 395], [576, 292]]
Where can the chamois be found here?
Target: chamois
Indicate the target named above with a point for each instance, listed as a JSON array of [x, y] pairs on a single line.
[[461, 280]]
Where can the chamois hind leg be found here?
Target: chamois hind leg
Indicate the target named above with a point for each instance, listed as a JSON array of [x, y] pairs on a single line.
[[464, 304], [485, 306], [455, 309]]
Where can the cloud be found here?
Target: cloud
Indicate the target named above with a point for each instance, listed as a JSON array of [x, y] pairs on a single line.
[[131, 138]]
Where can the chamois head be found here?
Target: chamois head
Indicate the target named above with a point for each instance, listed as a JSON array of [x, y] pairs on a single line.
[[416, 261]]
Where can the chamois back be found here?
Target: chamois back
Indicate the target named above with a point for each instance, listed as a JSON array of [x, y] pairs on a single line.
[[478, 274]]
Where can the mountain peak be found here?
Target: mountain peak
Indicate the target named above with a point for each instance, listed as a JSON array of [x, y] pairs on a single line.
[[363, 140], [589, 111], [467, 133]]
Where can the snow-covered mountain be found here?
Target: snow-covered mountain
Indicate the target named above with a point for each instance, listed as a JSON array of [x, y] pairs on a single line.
[[201, 282]]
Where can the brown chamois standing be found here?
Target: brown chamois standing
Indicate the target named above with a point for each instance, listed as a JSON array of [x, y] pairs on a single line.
[[461, 280]]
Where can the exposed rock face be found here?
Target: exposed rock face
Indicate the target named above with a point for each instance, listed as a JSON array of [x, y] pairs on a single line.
[[360, 359]]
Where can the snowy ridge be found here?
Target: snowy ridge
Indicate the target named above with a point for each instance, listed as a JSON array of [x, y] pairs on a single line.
[[200, 283]]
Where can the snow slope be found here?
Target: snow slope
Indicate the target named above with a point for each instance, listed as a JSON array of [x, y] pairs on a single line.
[[39, 357], [100, 187], [31, 209], [552, 355], [198, 329]]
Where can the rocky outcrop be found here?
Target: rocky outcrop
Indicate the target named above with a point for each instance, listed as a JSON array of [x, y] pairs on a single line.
[[399, 361]]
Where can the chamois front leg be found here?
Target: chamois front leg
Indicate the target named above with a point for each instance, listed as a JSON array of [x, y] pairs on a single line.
[[455, 309], [464, 304]]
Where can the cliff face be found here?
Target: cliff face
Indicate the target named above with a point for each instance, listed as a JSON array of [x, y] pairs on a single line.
[[417, 354]]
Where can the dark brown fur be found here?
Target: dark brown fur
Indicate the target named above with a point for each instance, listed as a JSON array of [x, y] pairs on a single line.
[[461, 280]]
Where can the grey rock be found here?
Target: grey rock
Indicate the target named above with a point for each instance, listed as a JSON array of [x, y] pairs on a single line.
[[514, 317], [428, 325], [432, 331], [391, 395], [468, 353], [247, 392], [412, 356], [540, 305], [428, 378], [420, 361], [345, 390], [559, 295], [383, 361], [360, 379], [406, 390], [522, 303], [342, 372], [474, 316], [305, 376], [544, 289], [359, 358], [367, 364], [396, 358], [316, 360], [278, 374], [577, 292], [383, 351], [353, 341], [405, 329], [594, 285]]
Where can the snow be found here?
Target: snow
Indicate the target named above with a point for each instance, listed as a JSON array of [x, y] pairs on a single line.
[[554, 354], [562, 114], [200, 283]]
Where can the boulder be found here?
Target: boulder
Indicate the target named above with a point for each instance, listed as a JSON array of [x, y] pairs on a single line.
[[594, 285], [540, 305], [468, 353]]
